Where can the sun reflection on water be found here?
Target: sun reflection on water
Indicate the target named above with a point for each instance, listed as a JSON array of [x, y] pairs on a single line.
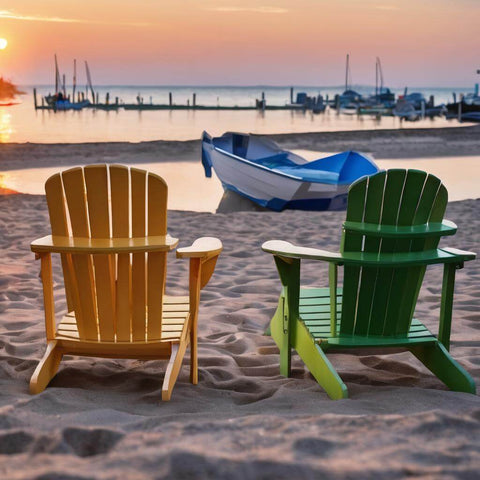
[[6, 129], [4, 185]]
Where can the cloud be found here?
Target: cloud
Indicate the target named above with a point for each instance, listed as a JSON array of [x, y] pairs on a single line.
[[249, 9], [9, 15]]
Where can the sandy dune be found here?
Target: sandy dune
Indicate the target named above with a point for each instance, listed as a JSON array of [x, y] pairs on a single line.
[[103, 418]]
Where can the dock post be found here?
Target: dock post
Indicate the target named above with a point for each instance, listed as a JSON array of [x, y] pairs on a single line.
[[35, 98], [116, 100], [264, 103], [188, 102], [291, 94], [460, 110], [107, 98], [96, 99], [170, 98], [422, 109], [194, 100]]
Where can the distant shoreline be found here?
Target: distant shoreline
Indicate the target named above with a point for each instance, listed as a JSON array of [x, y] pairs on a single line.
[[395, 143]]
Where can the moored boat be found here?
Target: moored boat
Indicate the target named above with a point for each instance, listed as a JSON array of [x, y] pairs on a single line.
[[260, 170], [60, 100]]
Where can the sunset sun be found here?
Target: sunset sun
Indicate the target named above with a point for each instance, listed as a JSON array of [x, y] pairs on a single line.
[[3, 43]]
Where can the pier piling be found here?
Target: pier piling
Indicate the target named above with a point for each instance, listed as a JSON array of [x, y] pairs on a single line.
[[35, 98], [194, 100], [170, 98]]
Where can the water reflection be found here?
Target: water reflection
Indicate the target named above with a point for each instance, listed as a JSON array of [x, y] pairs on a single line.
[[4, 185], [6, 129], [180, 176]]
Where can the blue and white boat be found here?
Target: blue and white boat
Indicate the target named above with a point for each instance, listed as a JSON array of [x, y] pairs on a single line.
[[277, 179]]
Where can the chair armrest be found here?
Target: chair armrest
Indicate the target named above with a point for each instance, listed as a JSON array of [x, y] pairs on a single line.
[[461, 255], [407, 259], [204, 248], [409, 232], [286, 249], [59, 244]]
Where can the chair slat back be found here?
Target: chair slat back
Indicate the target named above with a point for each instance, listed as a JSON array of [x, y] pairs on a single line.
[[58, 221], [139, 292], [116, 298], [381, 301]]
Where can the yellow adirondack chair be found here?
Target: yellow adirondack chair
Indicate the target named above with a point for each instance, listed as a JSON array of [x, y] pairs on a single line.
[[109, 224]]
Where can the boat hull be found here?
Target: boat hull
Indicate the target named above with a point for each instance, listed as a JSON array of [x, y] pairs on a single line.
[[271, 189]]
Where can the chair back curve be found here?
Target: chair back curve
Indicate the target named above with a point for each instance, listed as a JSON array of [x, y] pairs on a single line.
[[115, 297], [381, 301]]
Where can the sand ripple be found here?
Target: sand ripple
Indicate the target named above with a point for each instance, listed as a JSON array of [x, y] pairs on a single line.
[[103, 418]]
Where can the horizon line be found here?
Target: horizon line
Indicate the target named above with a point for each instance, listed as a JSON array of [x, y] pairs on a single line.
[[215, 85]]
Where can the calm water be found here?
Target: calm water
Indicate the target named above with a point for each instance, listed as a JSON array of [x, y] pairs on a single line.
[[21, 123], [207, 193]]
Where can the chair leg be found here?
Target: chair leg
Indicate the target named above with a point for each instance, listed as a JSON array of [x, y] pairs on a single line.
[[318, 364], [46, 369], [173, 369], [321, 368], [194, 361], [437, 359], [281, 337]]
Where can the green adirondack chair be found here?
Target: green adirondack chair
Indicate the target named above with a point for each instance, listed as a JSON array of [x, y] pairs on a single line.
[[393, 226]]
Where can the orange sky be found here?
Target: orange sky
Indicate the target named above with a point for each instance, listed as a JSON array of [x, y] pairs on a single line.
[[243, 42]]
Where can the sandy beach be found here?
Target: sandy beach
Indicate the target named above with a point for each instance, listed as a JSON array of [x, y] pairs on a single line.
[[103, 418], [408, 143]]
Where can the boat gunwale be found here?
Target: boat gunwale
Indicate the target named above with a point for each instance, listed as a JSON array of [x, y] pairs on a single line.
[[282, 174]]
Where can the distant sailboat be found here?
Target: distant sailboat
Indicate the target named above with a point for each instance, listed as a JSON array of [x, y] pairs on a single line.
[[382, 94], [348, 100], [382, 101], [60, 100]]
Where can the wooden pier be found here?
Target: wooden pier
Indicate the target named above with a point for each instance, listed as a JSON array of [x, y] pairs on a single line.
[[260, 104]]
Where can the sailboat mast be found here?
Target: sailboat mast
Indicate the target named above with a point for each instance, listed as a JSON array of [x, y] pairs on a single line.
[[376, 77], [57, 76], [74, 78], [89, 80], [381, 73], [346, 72]]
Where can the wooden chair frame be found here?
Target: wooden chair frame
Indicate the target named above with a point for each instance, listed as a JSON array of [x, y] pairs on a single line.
[[382, 279], [176, 319]]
